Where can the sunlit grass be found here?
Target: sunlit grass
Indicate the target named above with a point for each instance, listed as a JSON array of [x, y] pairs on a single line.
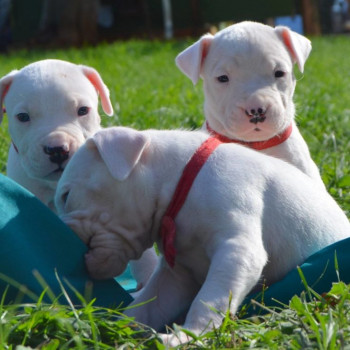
[[310, 321]]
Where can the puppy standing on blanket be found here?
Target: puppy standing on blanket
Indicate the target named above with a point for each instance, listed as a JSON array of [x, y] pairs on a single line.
[[247, 217], [247, 72], [52, 108]]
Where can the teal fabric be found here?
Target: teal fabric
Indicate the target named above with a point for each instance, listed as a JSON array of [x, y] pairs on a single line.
[[35, 242], [127, 280], [319, 271]]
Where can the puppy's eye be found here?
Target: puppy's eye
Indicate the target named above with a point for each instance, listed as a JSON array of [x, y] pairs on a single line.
[[23, 117], [223, 79], [279, 74], [83, 111]]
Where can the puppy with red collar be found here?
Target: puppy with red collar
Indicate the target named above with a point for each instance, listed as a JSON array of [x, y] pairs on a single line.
[[247, 72]]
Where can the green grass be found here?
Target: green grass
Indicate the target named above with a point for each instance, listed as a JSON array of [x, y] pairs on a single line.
[[319, 322], [148, 91]]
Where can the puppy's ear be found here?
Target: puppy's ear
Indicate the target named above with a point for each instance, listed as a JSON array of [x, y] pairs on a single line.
[[190, 60], [298, 46], [5, 83], [121, 149], [101, 88]]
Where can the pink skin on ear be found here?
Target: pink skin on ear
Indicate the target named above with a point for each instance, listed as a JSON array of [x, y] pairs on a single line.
[[6, 89], [190, 61], [97, 82], [297, 45], [5, 84], [288, 43]]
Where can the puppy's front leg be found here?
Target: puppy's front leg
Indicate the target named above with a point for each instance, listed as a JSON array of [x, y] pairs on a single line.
[[236, 267], [173, 290]]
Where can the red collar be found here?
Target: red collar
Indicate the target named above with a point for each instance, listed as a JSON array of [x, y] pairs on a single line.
[[257, 145], [192, 168]]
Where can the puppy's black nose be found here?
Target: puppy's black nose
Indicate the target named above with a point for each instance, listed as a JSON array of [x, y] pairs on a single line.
[[57, 154], [255, 112], [257, 119], [256, 115]]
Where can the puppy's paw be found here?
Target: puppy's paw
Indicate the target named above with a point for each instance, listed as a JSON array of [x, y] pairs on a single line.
[[175, 339]]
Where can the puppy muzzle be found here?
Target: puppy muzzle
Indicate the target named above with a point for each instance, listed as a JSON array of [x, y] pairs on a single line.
[[258, 119], [57, 155]]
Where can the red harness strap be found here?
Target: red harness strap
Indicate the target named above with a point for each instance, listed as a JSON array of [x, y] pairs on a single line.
[[191, 170], [257, 145]]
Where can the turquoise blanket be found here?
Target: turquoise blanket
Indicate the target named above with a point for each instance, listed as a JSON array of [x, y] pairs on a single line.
[[37, 249], [319, 270]]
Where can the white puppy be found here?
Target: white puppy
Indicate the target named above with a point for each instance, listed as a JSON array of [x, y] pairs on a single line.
[[248, 217], [248, 80], [52, 108]]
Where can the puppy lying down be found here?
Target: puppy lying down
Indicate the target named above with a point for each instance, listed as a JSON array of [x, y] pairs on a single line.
[[247, 218]]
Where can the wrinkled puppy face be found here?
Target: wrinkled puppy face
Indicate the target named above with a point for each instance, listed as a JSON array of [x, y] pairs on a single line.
[[247, 72], [85, 199], [107, 214], [52, 108]]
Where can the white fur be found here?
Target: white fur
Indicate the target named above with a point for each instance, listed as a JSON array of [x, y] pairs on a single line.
[[249, 54], [247, 217], [51, 92]]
